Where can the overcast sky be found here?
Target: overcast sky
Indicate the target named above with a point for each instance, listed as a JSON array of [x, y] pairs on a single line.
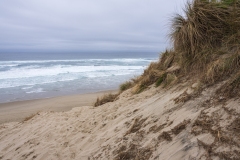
[[86, 25]]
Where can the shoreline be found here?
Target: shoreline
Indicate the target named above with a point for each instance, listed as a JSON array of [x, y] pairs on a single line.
[[60, 95], [18, 110]]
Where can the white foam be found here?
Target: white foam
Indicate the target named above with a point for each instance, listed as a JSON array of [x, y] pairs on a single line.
[[26, 72], [25, 88], [32, 72], [38, 90], [33, 81], [8, 65], [78, 60]]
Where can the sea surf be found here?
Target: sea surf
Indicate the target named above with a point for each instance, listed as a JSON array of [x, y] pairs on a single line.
[[33, 79]]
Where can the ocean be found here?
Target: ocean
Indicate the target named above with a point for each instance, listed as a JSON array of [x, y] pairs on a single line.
[[26, 76]]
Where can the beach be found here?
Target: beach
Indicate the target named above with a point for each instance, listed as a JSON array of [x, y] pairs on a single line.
[[19, 110], [33, 84]]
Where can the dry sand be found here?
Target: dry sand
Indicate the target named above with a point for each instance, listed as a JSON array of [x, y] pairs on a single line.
[[157, 124], [18, 111]]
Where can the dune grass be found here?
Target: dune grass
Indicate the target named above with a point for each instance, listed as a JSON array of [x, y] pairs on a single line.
[[30, 117], [126, 85], [105, 99], [112, 97], [205, 45]]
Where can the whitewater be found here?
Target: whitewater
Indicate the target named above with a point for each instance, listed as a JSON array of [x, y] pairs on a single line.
[[33, 79]]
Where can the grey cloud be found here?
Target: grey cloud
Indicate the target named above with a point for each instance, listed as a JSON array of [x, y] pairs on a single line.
[[85, 24]]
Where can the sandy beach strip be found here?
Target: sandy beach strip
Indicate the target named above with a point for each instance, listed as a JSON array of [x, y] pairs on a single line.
[[18, 111]]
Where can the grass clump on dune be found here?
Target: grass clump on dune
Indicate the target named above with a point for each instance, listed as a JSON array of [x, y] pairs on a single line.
[[112, 97], [30, 117], [125, 86], [205, 28], [105, 99], [206, 45], [160, 72]]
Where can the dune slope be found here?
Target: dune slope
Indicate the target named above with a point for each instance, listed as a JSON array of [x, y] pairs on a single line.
[[159, 123]]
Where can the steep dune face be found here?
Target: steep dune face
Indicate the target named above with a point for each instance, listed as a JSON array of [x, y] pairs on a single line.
[[158, 123]]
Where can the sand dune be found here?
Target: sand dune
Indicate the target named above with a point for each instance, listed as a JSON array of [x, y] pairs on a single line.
[[156, 124]]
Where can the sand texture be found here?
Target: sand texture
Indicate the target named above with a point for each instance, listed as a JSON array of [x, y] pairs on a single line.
[[158, 124]]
